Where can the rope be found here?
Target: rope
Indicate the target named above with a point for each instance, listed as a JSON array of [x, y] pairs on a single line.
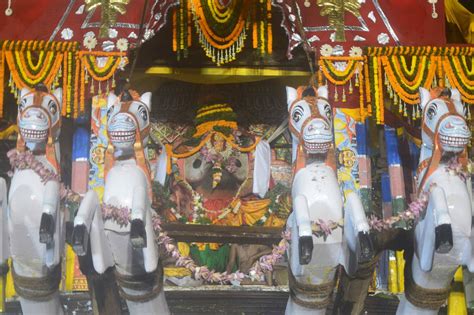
[[421, 297], [151, 283], [37, 289], [320, 291]]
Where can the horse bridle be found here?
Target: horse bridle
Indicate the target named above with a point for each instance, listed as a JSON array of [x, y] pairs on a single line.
[[312, 102], [37, 102], [431, 163], [141, 161]]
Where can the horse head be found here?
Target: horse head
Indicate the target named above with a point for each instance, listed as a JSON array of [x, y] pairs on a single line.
[[310, 120], [39, 115], [443, 123], [128, 121]]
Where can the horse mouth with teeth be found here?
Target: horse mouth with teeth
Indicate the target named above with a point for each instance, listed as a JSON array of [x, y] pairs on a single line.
[[121, 137], [453, 143], [34, 135], [317, 147]]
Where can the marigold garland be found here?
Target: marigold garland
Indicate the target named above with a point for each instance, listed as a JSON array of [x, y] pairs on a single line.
[[460, 76], [336, 76], [222, 29], [88, 67]]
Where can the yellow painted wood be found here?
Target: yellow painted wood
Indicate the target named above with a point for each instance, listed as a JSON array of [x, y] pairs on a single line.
[[9, 288], [2, 294], [69, 272], [400, 271], [221, 71], [457, 299], [393, 275]]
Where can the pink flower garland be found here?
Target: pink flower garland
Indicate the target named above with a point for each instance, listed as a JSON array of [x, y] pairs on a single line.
[[409, 216], [121, 215], [27, 160]]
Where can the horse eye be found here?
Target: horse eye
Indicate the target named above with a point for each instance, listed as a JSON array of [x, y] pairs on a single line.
[[197, 163], [431, 112], [53, 108], [328, 112], [297, 116], [144, 115], [21, 107]]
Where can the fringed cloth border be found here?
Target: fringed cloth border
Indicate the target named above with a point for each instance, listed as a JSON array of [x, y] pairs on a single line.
[[315, 291]]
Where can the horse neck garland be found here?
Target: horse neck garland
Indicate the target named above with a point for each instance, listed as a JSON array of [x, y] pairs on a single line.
[[39, 121], [128, 129], [443, 114], [310, 123]]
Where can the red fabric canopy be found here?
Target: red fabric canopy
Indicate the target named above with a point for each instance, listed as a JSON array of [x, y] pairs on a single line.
[[405, 22], [52, 20]]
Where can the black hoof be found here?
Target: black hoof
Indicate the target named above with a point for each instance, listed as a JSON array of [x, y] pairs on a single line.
[[46, 230], [138, 234], [306, 249], [80, 239], [365, 248], [444, 238]]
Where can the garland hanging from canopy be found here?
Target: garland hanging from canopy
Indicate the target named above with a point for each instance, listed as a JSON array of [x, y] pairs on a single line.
[[342, 72], [97, 68], [460, 73], [58, 64], [34, 62], [403, 70], [222, 28]]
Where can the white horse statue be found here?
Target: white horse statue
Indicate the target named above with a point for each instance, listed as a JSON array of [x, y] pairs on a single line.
[[35, 223], [443, 235], [4, 247], [316, 196], [121, 233]]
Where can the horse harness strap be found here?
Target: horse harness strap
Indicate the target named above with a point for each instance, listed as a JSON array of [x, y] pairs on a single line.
[[37, 288], [426, 164], [321, 291]]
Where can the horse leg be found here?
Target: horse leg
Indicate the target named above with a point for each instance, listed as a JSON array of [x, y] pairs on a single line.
[[95, 256], [137, 229], [311, 289], [351, 293], [311, 284], [418, 284], [139, 276], [356, 232], [303, 227]]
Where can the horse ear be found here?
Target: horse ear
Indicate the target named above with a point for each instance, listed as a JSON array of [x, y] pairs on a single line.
[[291, 95], [146, 99], [323, 92], [424, 97], [58, 93], [111, 99], [455, 95], [24, 91]]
